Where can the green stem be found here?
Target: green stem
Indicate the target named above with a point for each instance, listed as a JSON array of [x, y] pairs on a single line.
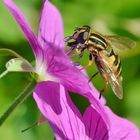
[[3, 74], [18, 100]]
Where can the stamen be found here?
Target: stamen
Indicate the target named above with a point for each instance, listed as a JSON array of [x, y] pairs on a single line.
[[76, 63], [30, 127], [70, 51], [73, 55]]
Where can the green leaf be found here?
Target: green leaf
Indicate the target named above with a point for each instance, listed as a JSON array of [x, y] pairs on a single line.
[[8, 52]]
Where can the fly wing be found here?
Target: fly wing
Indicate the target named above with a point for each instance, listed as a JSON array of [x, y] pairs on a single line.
[[115, 78], [116, 85], [119, 43]]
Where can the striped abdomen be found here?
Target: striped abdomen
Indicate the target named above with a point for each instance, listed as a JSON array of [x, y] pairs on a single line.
[[98, 44], [114, 62]]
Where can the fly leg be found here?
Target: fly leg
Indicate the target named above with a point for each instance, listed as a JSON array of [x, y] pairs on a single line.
[[89, 63], [105, 77], [72, 46], [93, 76]]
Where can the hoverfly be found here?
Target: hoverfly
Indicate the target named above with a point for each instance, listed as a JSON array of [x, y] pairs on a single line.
[[103, 50]]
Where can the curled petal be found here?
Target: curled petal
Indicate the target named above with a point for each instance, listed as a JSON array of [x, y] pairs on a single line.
[[51, 26], [57, 107], [19, 65], [121, 129], [21, 20]]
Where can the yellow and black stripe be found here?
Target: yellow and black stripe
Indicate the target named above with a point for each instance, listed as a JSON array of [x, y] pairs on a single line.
[[115, 62], [99, 43]]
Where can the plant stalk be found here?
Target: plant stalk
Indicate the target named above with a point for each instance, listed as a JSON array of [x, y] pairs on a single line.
[[18, 100]]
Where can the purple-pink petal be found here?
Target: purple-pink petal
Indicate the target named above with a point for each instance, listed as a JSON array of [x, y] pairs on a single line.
[[54, 59], [63, 116], [60, 66], [68, 124], [95, 126], [51, 26], [53, 99], [94, 91], [72, 78], [24, 25], [56, 106], [121, 129]]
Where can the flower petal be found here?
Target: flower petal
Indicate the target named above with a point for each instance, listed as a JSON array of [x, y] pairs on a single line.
[[21, 20], [96, 128], [121, 129], [94, 91], [51, 26], [60, 66], [57, 107], [18, 64]]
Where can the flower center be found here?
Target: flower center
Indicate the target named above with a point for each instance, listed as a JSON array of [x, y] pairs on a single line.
[[43, 75]]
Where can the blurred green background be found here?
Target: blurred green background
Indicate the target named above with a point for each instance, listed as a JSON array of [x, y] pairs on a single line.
[[121, 17]]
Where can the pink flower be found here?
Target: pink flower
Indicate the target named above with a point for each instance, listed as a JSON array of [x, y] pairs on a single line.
[[57, 76], [52, 64], [68, 123]]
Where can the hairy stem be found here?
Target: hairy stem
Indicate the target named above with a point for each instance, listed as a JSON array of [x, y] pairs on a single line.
[[18, 100]]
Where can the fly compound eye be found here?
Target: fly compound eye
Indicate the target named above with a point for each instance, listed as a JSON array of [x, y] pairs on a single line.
[[82, 37], [85, 35]]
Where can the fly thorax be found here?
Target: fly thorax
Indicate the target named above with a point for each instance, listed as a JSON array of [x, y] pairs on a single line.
[[92, 50]]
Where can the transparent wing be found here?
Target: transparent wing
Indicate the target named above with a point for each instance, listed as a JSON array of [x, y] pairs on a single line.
[[115, 81], [119, 43], [116, 85]]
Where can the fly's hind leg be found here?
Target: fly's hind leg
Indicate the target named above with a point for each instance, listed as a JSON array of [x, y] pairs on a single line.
[[105, 77]]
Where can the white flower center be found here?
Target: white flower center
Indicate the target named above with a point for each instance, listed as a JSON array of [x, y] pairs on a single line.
[[41, 70]]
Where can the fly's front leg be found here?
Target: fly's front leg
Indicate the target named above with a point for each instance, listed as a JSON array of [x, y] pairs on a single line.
[[105, 77], [79, 50], [72, 46]]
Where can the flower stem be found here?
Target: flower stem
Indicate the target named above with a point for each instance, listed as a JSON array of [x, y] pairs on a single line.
[[18, 100], [3, 74]]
